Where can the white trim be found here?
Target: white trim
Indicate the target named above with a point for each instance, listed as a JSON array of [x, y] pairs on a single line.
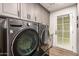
[[72, 11]]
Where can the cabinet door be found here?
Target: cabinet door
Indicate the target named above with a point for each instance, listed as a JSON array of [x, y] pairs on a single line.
[[0, 7], [10, 9], [43, 16], [46, 17], [28, 11], [32, 11], [24, 11], [38, 13]]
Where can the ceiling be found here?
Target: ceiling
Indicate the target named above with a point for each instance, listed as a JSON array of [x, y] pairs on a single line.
[[51, 7]]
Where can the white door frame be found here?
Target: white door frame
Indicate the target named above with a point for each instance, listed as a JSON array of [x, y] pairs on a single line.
[[73, 21], [62, 46]]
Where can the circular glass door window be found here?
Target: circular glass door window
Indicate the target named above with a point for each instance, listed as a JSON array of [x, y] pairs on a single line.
[[26, 42]]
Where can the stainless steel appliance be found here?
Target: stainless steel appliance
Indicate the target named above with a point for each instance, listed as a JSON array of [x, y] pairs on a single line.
[[43, 31], [22, 37], [3, 38]]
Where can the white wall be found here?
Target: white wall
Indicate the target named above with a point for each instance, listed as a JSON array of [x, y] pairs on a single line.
[[70, 10]]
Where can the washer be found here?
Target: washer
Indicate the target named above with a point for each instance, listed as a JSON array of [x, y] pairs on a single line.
[[22, 37], [43, 31]]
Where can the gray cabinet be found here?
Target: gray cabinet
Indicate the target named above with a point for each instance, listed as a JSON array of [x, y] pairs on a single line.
[[24, 11], [0, 8], [34, 12], [38, 13], [27, 11], [9, 9], [44, 16]]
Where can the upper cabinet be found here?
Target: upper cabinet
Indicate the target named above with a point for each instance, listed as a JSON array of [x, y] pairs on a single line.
[[27, 11], [34, 12], [9, 9], [44, 16], [38, 13], [24, 11], [0, 7]]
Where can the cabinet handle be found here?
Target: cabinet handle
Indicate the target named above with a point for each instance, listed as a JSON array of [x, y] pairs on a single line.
[[18, 9], [35, 18], [18, 13]]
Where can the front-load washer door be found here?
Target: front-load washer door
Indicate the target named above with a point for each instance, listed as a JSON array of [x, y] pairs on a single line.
[[25, 42]]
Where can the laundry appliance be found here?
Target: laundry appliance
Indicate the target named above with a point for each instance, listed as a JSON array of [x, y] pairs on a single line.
[[3, 38], [43, 31], [22, 37]]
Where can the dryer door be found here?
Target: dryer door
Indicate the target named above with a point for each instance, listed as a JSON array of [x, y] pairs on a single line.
[[25, 43], [44, 36]]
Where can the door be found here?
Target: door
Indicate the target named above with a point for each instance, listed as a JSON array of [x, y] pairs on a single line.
[[71, 13], [25, 43], [63, 32], [26, 11], [10, 9], [0, 7]]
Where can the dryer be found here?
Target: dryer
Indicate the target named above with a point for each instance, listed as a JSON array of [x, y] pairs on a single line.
[[22, 37], [43, 31]]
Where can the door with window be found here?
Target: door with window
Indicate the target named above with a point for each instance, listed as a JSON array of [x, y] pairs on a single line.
[[63, 31]]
